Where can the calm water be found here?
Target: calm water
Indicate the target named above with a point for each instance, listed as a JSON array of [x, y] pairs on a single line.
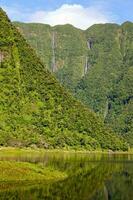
[[90, 177]]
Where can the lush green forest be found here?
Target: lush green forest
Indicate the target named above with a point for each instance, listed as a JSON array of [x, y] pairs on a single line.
[[69, 45], [35, 110], [96, 65]]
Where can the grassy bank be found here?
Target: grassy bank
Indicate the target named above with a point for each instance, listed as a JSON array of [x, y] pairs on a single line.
[[12, 150]]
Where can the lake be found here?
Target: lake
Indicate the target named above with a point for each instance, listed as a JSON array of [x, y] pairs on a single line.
[[90, 177]]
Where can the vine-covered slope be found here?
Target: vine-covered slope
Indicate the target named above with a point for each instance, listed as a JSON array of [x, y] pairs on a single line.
[[35, 109], [96, 65], [108, 85], [61, 48]]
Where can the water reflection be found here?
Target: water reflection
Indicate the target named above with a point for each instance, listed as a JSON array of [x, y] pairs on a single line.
[[90, 177]]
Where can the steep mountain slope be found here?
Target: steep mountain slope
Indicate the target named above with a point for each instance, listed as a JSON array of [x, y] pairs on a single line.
[[99, 70], [35, 109], [108, 86], [63, 49]]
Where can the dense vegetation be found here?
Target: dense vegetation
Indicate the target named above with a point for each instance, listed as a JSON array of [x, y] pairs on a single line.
[[96, 65], [69, 45], [108, 86], [34, 108]]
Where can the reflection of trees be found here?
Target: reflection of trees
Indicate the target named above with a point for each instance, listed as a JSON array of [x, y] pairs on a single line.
[[121, 184], [85, 184], [87, 180]]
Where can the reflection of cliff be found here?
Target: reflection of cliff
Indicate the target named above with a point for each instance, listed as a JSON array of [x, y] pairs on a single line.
[[87, 183], [121, 184]]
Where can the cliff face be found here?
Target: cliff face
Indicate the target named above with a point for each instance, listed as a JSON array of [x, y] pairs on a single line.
[[63, 49], [35, 109], [108, 87], [96, 65]]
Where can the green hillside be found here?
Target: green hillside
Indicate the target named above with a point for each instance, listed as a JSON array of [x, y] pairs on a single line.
[[35, 109], [64, 45], [96, 65], [108, 85]]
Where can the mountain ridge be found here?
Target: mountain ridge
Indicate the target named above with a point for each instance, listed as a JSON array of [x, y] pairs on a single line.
[[36, 110], [92, 74]]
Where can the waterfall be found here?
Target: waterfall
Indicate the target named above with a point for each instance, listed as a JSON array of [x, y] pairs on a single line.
[[90, 43], [106, 109], [86, 65], [53, 53]]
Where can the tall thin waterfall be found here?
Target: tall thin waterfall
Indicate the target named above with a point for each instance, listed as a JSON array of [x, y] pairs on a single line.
[[53, 53], [86, 65]]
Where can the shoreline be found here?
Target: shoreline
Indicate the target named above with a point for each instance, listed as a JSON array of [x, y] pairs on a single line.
[[40, 150]]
